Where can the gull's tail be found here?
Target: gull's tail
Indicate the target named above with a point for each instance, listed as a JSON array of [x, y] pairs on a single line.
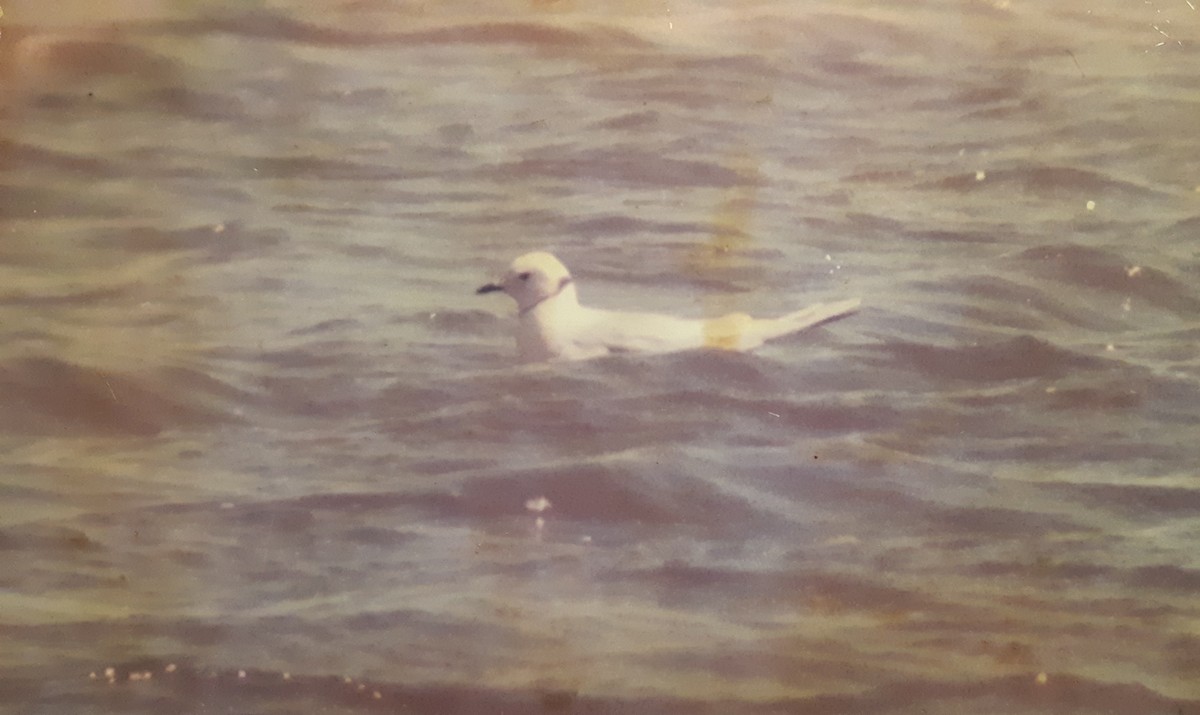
[[762, 330], [738, 331]]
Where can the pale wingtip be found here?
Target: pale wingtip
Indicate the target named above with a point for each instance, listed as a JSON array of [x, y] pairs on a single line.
[[840, 307]]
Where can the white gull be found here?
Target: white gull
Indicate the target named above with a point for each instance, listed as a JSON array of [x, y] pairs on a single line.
[[552, 325]]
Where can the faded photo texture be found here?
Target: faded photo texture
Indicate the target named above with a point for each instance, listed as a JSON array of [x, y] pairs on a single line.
[[265, 450]]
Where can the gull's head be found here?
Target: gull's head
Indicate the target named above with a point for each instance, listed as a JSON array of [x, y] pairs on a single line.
[[531, 279]]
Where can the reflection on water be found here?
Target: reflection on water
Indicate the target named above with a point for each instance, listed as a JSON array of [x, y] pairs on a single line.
[[263, 450]]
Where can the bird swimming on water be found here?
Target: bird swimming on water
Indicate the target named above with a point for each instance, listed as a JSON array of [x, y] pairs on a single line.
[[552, 325]]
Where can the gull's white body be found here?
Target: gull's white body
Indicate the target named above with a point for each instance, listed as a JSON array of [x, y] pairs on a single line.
[[552, 325]]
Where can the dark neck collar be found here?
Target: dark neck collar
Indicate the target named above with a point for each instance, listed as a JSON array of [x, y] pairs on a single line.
[[562, 285]]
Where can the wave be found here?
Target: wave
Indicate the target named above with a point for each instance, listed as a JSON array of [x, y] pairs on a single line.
[[216, 243], [49, 395], [1010, 302], [1051, 182], [1018, 358], [27, 156], [177, 684], [629, 166], [268, 25], [1102, 270], [22, 202]]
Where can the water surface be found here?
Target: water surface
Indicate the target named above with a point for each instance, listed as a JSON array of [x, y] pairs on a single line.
[[263, 449]]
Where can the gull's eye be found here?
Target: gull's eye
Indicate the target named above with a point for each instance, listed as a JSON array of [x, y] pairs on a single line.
[[524, 276]]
